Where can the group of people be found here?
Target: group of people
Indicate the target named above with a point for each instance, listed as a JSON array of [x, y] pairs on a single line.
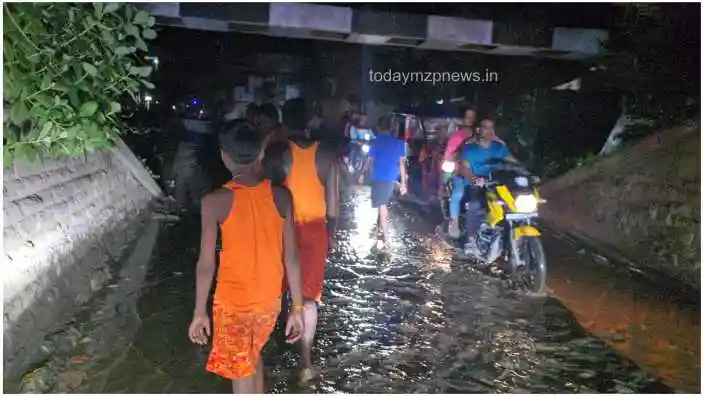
[[277, 217], [472, 149]]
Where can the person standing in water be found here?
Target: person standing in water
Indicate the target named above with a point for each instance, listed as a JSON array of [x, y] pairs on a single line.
[[387, 163], [259, 246], [309, 171]]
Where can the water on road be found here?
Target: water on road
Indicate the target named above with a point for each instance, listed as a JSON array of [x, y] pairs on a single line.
[[415, 321]]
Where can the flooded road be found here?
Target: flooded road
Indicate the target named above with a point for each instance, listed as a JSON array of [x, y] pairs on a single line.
[[416, 321], [652, 322]]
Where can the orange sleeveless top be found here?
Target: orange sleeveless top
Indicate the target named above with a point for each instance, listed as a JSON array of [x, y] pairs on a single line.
[[251, 260], [304, 184]]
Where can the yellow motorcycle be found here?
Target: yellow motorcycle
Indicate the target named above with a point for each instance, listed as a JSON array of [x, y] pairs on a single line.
[[508, 230]]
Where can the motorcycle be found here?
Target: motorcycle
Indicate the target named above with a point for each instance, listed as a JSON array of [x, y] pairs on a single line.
[[447, 167], [508, 231], [361, 148]]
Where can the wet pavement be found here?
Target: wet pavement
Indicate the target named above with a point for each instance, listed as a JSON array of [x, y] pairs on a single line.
[[416, 321]]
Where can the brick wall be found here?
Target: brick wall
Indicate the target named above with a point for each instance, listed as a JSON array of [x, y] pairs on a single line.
[[65, 222], [643, 202]]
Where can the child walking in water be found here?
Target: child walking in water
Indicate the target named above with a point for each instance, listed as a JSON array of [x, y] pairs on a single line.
[[259, 246]]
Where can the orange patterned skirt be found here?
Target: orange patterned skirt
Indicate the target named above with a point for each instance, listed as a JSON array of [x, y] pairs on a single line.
[[238, 338]]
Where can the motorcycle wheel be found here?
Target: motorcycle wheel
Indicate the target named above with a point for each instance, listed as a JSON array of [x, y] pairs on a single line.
[[531, 277]]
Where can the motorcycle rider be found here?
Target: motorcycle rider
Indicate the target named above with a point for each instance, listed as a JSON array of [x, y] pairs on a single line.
[[358, 134], [474, 167], [462, 134]]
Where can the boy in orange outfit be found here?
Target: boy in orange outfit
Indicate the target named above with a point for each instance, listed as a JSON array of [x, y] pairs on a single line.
[[258, 247], [309, 170]]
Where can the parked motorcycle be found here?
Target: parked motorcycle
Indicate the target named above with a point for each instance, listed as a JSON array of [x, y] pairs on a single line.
[[508, 231]]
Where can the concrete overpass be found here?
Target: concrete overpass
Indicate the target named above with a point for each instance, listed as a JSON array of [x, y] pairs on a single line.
[[344, 24]]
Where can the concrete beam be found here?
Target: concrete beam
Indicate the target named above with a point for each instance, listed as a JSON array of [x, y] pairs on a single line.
[[311, 17], [333, 23], [585, 41], [459, 30]]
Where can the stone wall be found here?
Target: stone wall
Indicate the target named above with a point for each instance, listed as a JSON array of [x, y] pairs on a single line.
[[65, 222], [642, 202]]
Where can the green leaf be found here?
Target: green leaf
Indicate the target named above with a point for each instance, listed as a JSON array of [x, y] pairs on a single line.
[[111, 7], [149, 34], [27, 152], [115, 107], [90, 69], [46, 130], [142, 18], [19, 113], [46, 81], [61, 87], [88, 109], [132, 30], [144, 71], [122, 50], [7, 156], [34, 58], [98, 9], [151, 22], [141, 45], [108, 37], [148, 84], [72, 132], [73, 98]]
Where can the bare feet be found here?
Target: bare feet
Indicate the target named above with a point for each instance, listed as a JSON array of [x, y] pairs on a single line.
[[383, 246], [306, 375]]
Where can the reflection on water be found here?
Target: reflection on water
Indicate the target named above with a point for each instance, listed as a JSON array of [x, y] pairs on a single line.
[[414, 321], [641, 319]]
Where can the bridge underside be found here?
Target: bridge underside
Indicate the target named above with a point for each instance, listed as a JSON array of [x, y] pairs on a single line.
[[344, 24]]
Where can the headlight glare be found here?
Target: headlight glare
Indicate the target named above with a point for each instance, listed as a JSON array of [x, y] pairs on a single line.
[[448, 166], [526, 203]]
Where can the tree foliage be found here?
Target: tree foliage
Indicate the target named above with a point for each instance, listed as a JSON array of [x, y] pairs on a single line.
[[657, 64], [67, 67]]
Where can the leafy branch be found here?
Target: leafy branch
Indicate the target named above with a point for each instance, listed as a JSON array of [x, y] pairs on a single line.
[[66, 68]]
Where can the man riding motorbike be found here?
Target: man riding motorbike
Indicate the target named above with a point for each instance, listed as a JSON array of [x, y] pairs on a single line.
[[360, 136], [474, 167]]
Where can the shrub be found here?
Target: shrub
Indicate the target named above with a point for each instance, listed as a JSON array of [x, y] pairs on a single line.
[[67, 67]]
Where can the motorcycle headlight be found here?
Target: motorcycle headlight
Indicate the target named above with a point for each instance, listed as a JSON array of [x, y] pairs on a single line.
[[526, 203], [365, 148], [448, 166]]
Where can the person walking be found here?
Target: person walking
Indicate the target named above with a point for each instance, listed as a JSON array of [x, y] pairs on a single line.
[[308, 169], [387, 163], [259, 246]]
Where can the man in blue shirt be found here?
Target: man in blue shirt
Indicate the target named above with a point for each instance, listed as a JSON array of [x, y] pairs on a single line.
[[474, 167], [387, 162]]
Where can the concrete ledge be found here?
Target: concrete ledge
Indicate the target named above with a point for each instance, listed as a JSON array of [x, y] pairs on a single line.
[[66, 221], [131, 162], [643, 201], [70, 284]]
